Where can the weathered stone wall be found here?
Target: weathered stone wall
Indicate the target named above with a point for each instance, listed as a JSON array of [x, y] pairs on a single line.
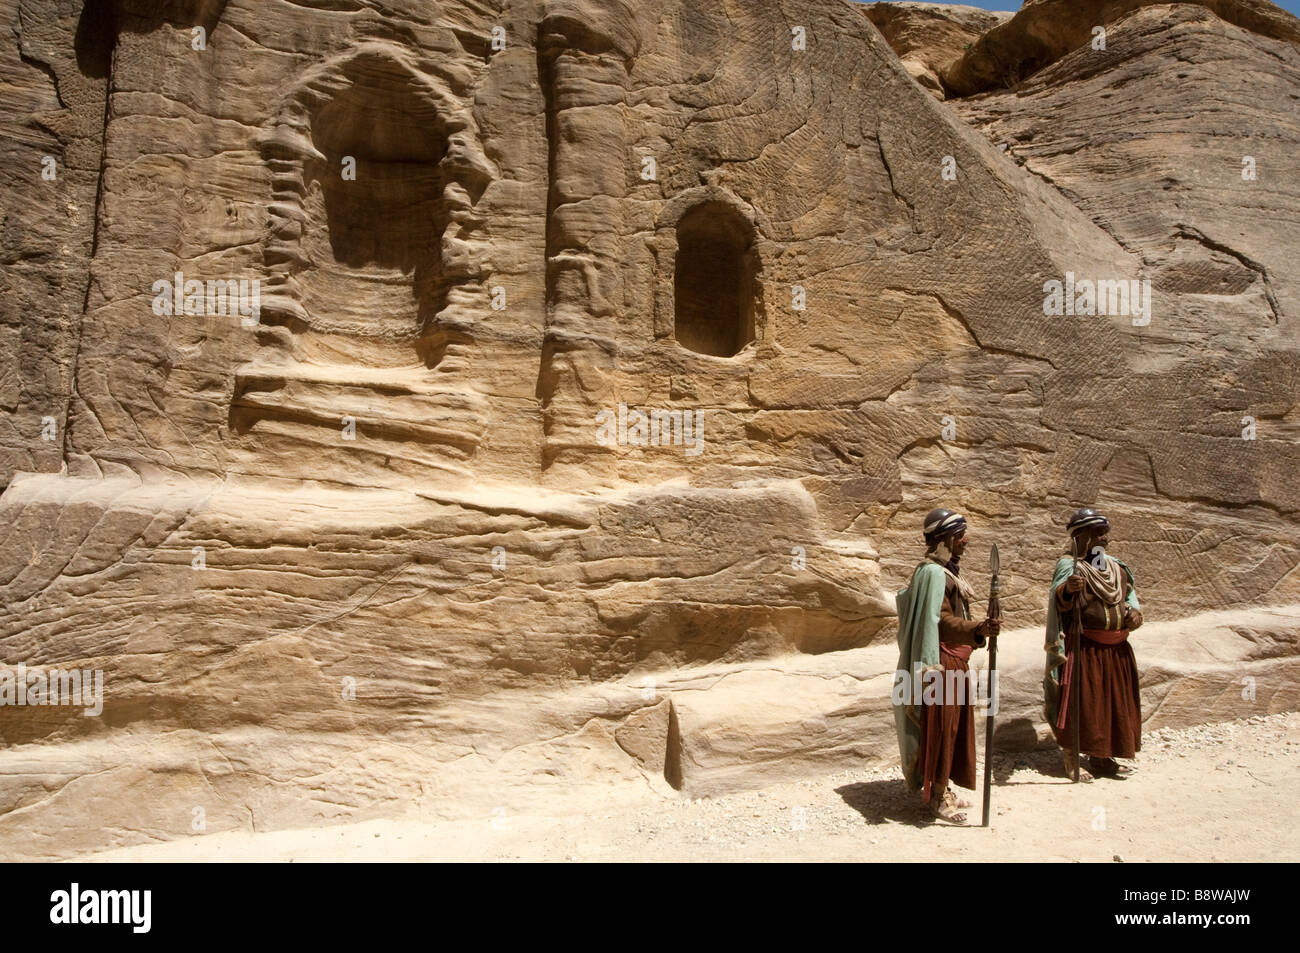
[[398, 470]]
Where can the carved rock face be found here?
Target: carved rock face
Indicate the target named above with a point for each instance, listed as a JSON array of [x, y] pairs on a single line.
[[606, 338]]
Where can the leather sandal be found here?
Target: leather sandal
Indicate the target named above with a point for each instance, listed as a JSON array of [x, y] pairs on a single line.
[[946, 808], [1109, 768]]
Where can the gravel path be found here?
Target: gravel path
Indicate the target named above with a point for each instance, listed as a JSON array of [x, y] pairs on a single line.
[[1206, 793]]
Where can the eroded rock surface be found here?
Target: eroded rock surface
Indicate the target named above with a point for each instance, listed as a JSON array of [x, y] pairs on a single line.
[[929, 37], [1043, 31], [410, 492]]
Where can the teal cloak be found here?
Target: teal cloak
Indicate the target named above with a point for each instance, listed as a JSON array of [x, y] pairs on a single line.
[[1055, 642], [918, 651]]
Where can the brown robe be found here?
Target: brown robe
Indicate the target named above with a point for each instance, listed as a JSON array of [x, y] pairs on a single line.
[[948, 729], [1110, 703]]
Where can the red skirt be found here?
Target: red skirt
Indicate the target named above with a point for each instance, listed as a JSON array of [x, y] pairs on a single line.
[[1110, 704], [948, 729]]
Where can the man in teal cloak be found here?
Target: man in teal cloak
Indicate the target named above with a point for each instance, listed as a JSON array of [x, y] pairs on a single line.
[[934, 713], [1101, 590]]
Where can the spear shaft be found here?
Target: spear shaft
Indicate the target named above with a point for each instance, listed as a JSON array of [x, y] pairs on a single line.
[[995, 612], [1076, 637]]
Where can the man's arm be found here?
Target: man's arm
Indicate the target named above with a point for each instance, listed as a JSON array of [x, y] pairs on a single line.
[[1133, 614], [955, 630], [1132, 611], [1069, 591]]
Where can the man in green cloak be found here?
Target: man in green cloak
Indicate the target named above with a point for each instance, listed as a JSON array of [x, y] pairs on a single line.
[[934, 714]]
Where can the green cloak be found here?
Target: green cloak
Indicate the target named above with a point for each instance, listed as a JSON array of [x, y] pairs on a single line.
[[918, 651], [1055, 642]]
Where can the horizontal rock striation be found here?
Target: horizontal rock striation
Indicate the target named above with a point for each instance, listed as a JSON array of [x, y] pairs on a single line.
[[376, 370]]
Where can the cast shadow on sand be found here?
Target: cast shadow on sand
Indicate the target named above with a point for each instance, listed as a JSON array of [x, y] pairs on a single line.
[[889, 800]]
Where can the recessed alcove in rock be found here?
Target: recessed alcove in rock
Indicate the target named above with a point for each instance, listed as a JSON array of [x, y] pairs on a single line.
[[374, 240], [713, 282], [371, 163]]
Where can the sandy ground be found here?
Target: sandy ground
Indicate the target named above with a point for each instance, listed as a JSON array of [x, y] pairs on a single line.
[[1208, 793]]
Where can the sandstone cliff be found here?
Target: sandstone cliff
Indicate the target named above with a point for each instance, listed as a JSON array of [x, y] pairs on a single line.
[[406, 495], [928, 37]]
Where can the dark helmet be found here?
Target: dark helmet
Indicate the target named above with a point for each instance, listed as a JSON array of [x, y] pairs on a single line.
[[1087, 520], [942, 524]]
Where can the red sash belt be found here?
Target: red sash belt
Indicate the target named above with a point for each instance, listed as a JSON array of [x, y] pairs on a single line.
[[956, 651], [1101, 637], [1106, 636]]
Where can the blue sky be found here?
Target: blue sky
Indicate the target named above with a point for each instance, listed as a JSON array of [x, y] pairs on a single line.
[[1292, 5]]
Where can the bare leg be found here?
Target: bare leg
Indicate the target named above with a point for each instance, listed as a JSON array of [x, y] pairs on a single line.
[[1067, 757]]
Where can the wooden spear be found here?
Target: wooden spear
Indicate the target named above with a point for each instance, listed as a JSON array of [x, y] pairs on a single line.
[[1076, 637], [995, 612]]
